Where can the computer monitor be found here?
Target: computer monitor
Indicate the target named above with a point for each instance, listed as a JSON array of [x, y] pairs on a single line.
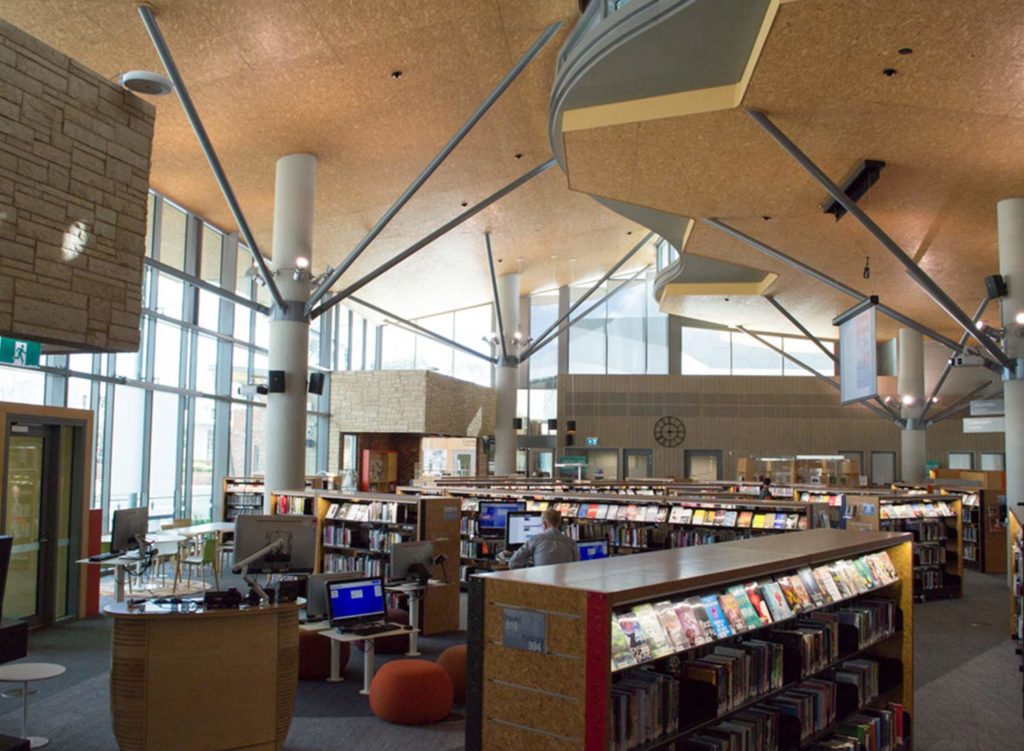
[[412, 560], [316, 592], [295, 556], [356, 601], [592, 549], [126, 526], [493, 515], [522, 525]]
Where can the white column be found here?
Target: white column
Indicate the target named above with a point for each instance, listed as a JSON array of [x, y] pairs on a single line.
[[1010, 215], [284, 441], [506, 379], [910, 386]]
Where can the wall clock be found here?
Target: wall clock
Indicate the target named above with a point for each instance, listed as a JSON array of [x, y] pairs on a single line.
[[669, 431]]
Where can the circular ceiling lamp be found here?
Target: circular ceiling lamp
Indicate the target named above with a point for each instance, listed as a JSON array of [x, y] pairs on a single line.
[[146, 82]]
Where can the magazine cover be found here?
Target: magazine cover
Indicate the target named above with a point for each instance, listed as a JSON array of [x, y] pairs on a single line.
[[751, 618], [673, 628], [758, 602], [638, 645], [731, 608], [622, 656], [692, 629], [653, 632], [719, 623], [776, 600]]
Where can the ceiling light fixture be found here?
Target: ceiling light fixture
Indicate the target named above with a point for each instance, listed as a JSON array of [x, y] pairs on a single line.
[[889, 72], [302, 262], [519, 155], [1019, 318], [396, 74], [146, 82], [908, 400], [906, 51]]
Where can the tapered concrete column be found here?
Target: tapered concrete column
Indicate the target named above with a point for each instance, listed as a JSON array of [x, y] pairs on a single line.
[[284, 441], [506, 379], [910, 385], [1010, 214]]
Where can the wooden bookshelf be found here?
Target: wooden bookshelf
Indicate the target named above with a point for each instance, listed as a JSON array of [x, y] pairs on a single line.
[[639, 524], [1016, 529], [295, 502], [376, 521], [935, 523], [540, 639], [244, 495]]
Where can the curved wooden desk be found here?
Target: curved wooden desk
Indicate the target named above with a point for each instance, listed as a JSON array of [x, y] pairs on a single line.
[[204, 681]]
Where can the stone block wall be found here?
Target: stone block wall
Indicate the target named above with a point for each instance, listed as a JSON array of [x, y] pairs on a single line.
[[74, 175]]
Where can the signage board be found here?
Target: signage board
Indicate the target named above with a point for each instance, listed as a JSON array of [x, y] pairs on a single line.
[[525, 629], [19, 352], [858, 358], [987, 407], [985, 424]]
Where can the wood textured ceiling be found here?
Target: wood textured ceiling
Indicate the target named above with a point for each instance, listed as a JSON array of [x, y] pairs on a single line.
[[273, 77], [949, 125]]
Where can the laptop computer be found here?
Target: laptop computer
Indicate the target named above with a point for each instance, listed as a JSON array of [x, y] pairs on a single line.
[[316, 593], [357, 606]]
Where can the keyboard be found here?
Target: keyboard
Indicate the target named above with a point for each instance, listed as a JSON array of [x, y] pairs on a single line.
[[376, 628], [102, 557]]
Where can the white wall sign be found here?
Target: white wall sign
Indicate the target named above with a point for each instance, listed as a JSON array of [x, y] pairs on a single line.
[[984, 424], [858, 358]]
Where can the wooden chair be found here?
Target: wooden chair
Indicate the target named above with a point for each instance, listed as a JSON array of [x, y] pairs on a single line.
[[203, 554], [168, 553]]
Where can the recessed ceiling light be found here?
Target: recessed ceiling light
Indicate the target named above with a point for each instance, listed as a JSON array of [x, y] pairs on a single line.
[[464, 204], [907, 51], [145, 82], [765, 218], [889, 72], [629, 232], [519, 155], [396, 74]]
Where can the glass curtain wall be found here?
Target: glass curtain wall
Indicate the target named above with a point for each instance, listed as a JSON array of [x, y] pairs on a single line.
[[715, 351]]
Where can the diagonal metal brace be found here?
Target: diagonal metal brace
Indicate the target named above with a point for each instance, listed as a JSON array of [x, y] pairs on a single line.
[[497, 302]]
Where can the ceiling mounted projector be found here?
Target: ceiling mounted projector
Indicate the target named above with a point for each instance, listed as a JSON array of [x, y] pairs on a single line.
[[146, 82]]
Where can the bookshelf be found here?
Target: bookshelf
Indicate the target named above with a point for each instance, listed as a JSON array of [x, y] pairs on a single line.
[[984, 516], [635, 524], [935, 523], [542, 641], [356, 532], [241, 495], [295, 502]]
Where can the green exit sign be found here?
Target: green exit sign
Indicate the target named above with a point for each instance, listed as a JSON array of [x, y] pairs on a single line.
[[19, 352]]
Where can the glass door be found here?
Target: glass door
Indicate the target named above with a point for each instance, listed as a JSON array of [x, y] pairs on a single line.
[[702, 465], [25, 512], [639, 463]]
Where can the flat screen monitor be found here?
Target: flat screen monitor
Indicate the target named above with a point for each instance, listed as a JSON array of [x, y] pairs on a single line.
[[522, 525], [316, 592], [493, 515], [355, 601], [412, 560], [127, 524], [295, 556], [592, 549]]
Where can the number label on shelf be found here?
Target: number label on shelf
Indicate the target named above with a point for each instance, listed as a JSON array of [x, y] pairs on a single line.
[[525, 629]]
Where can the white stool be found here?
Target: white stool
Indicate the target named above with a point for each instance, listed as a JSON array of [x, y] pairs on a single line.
[[24, 673]]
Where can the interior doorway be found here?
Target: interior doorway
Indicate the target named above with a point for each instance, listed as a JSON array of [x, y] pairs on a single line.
[[639, 463], [702, 465], [883, 468]]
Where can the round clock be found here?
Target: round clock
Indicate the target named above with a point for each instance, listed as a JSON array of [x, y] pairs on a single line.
[[669, 431]]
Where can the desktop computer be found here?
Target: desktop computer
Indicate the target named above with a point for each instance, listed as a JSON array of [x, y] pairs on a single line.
[[493, 515], [316, 592], [276, 544], [357, 606], [412, 560], [522, 525], [593, 549]]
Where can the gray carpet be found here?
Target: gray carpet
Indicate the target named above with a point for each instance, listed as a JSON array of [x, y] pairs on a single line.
[[968, 690]]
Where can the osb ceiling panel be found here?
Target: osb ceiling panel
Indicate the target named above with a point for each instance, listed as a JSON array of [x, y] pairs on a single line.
[[273, 77], [948, 124]]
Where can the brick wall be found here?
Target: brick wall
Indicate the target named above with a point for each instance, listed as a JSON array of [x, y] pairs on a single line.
[[74, 172]]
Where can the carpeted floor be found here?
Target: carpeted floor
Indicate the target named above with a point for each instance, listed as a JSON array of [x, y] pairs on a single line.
[[968, 690]]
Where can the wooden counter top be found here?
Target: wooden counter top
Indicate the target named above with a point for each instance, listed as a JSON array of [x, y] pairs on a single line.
[[622, 577]]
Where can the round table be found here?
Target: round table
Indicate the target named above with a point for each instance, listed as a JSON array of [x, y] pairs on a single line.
[[24, 673]]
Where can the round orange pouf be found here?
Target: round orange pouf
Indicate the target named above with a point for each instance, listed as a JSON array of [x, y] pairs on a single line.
[[411, 692], [315, 656], [453, 660]]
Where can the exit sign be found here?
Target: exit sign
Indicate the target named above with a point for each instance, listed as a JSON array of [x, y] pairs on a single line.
[[19, 352]]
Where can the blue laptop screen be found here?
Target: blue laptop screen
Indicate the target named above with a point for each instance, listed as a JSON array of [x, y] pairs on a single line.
[[355, 600], [591, 550]]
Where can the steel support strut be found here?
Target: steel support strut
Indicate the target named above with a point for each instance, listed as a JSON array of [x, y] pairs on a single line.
[[801, 328], [553, 335], [956, 406], [444, 229], [925, 282], [424, 331], [497, 302], [949, 363], [409, 192], [799, 363], [778, 255], [206, 145], [572, 308]]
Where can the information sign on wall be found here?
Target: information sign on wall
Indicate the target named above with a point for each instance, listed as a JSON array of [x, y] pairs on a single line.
[[525, 629], [858, 358], [19, 352]]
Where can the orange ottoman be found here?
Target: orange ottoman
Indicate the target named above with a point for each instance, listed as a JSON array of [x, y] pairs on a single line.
[[453, 660], [411, 692], [315, 656]]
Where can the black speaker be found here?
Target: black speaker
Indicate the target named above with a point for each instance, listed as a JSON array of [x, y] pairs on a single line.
[[552, 424], [570, 439], [276, 381], [996, 286], [316, 383], [518, 423], [570, 426]]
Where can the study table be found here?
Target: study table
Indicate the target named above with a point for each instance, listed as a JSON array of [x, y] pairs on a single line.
[[121, 563], [203, 680]]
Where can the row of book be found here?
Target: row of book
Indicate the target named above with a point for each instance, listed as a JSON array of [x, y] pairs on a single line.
[[867, 730], [929, 554], [653, 630], [374, 511], [688, 538], [296, 505], [334, 563], [923, 531], [375, 540], [928, 579], [832, 499], [480, 548], [916, 510]]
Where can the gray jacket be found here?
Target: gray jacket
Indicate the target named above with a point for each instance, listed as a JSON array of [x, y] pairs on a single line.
[[550, 546]]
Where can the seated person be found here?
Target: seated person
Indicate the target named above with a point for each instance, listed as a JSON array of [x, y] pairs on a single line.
[[550, 546]]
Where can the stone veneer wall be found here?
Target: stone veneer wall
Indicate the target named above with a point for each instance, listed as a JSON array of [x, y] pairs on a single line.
[[406, 401], [74, 174]]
